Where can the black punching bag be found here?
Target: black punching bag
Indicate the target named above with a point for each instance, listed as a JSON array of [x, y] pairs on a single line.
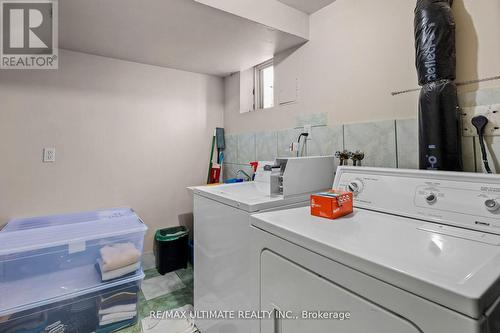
[[439, 127], [439, 114], [434, 41]]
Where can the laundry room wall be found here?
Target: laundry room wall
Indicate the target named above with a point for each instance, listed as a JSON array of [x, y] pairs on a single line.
[[126, 134], [360, 51]]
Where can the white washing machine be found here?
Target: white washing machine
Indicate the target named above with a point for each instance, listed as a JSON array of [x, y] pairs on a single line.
[[223, 278], [420, 253]]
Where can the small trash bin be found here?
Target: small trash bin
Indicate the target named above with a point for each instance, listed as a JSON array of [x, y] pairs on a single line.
[[171, 249]]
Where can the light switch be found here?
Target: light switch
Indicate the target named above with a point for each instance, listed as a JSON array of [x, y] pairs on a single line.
[[49, 155], [294, 146]]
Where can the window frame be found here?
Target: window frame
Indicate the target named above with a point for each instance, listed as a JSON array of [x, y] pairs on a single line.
[[259, 84]]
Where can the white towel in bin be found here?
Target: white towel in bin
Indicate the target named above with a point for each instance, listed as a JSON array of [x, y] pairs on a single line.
[[119, 308], [119, 255], [110, 275], [116, 317]]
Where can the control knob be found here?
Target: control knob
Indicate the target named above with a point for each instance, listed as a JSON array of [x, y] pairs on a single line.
[[356, 186], [431, 198], [492, 205]]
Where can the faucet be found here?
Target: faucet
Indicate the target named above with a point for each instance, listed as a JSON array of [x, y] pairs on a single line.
[[357, 157], [244, 173]]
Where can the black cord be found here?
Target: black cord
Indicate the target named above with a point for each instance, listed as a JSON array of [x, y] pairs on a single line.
[[484, 154], [305, 135], [480, 123], [302, 135]]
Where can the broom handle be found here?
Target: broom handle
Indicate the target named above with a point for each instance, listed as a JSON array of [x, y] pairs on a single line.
[[211, 159]]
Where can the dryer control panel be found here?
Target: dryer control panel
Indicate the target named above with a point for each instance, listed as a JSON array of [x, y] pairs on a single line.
[[452, 198]]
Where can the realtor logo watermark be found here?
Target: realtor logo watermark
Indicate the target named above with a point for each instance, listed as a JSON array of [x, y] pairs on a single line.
[[28, 34]]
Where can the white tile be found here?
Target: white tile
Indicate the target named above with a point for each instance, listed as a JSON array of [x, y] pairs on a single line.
[[246, 148], [182, 324], [161, 285], [407, 143], [231, 151], [266, 144], [230, 170], [377, 140], [468, 154], [325, 141], [285, 139]]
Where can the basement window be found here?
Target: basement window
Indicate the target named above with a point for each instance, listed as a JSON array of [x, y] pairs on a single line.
[[264, 85]]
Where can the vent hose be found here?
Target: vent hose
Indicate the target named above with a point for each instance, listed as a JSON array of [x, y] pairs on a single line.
[[439, 113]]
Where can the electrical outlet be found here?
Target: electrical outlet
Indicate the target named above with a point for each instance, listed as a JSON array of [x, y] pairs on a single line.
[[308, 130], [49, 155], [492, 112]]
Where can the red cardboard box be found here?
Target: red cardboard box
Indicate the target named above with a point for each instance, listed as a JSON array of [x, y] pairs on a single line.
[[332, 204]]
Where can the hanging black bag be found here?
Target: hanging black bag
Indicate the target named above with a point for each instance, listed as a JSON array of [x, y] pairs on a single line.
[[439, 132], [435, 41]]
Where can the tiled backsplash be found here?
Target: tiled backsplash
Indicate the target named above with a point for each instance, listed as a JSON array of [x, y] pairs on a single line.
[[377, 140], [392, 143], [407, 143]]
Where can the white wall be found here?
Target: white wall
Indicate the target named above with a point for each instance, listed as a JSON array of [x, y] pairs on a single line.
[[270, 13], [362, 50], [125, 134]]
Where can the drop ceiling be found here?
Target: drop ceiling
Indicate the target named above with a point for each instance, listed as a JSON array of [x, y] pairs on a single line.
[[307, 6], [181, 34]]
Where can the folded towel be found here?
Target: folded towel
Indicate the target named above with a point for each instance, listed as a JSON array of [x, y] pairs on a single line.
[[110, 304], [120, 272], [57, 327], [116, 326], [116, 317], [119, 255], [119, 308], [124, 297]]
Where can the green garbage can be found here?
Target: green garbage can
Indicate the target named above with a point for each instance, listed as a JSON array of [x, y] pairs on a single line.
[[171, 249]]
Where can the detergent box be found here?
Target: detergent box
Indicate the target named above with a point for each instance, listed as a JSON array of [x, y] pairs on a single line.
[[332, 204]]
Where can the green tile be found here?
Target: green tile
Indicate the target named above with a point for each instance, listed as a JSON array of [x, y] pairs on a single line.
[[141, 297], [186, 275], [171, 301], [133, 329], [174, 300], [144, 310], [151, 273]]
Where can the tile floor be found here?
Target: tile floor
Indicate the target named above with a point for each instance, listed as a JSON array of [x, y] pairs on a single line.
[[175, 299]]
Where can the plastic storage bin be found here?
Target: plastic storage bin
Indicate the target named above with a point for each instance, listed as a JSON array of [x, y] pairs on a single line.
[[66, 219], [101, 312], [49, 262], [171, 249]]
